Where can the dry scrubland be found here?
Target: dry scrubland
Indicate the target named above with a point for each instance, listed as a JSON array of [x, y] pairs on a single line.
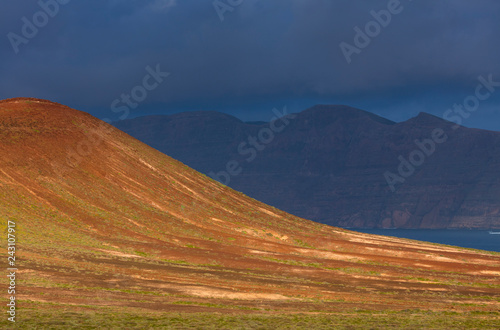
[[127, 237]]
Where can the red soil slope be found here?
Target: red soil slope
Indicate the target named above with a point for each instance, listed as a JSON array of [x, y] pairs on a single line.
[[104, 220]]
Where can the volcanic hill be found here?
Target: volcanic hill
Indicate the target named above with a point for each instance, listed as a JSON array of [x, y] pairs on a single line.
[[329, 164], [107, 224]]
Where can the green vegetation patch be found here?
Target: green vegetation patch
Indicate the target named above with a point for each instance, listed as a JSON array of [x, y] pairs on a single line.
[[88, 318]]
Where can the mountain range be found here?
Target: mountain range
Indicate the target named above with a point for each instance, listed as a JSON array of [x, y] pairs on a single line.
[[343, 166], [104, 223]]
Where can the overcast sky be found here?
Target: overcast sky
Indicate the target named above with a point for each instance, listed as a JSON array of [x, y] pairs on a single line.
[[245, 57]]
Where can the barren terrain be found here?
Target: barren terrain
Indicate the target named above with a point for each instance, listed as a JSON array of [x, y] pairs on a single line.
[[106, 224]]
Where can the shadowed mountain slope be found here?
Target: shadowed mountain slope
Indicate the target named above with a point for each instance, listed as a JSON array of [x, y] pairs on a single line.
[[331, 163], [102, 220]]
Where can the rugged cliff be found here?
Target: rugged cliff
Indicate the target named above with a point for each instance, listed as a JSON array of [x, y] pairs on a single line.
[[343, 166]]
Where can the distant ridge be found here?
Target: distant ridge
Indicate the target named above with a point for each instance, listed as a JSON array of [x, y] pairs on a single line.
[[344, 111], [424, 118], [329, 165]]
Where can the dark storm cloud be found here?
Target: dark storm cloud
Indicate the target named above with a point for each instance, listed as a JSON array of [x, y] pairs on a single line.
[[263, 54]]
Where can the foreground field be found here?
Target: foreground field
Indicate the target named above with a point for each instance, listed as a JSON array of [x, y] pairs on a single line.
[[362, 319]]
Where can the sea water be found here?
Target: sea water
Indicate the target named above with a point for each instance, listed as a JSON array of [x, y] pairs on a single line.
[[475, 239]]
